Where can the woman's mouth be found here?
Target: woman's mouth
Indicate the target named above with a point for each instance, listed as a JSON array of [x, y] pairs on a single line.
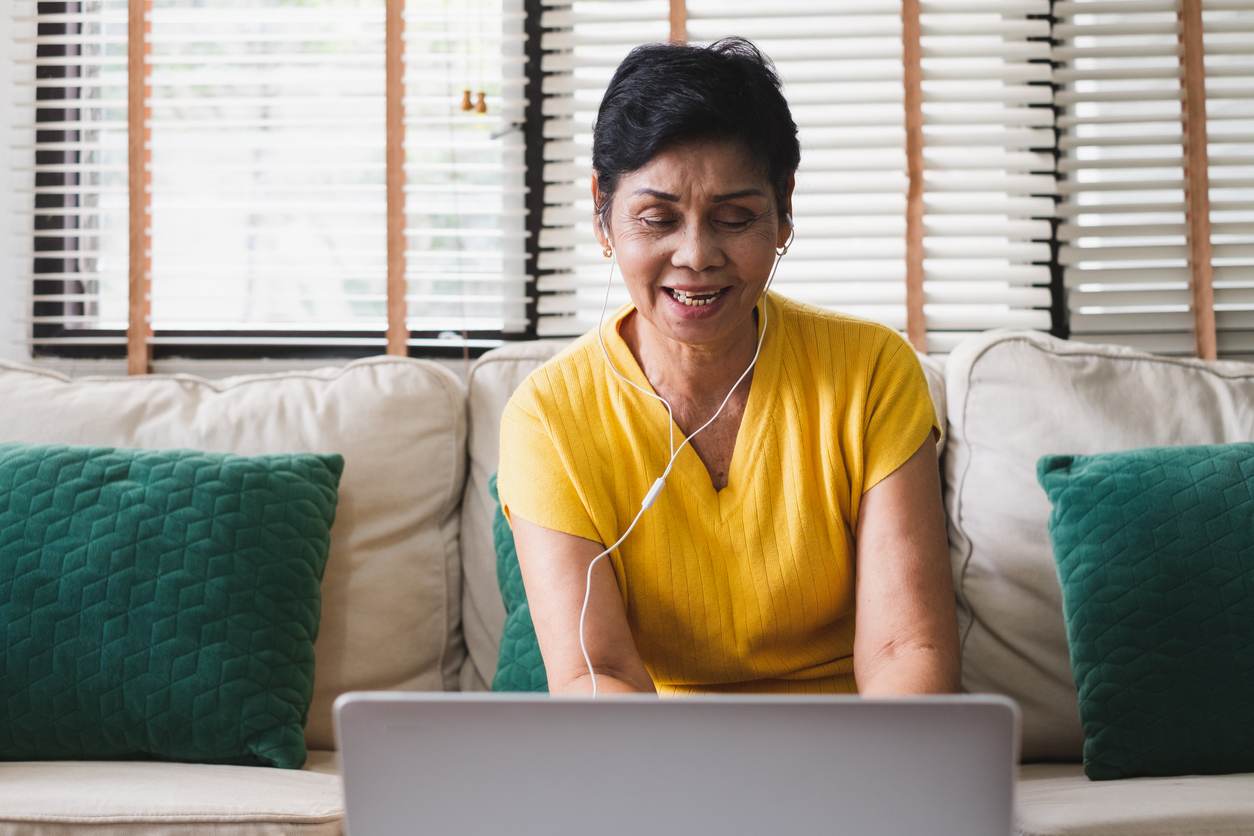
[[692, 298]]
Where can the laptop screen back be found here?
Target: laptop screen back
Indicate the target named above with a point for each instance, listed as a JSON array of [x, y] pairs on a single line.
[[479, 764]]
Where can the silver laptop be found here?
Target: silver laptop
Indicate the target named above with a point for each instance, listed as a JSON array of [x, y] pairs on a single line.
[[497, 764]]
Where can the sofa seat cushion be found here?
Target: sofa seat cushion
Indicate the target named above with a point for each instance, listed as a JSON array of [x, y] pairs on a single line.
[[149, 798], [1054, 799]]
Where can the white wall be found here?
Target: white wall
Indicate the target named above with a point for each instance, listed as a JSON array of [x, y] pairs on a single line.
[[12, 290]]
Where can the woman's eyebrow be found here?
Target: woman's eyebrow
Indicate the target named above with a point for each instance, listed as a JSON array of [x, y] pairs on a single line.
[[718, 198], [660, 195]]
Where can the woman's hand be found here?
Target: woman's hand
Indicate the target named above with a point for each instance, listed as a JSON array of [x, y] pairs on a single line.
[[555, 569], [906, 633]]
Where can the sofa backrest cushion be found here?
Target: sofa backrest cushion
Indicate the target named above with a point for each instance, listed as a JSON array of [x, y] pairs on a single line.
[[492, 381], [391, 592], [1014, 397]]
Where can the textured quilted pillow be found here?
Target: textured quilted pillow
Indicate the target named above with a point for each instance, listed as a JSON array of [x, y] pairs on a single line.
[[160, 604], [519, 666], [1155, 552]]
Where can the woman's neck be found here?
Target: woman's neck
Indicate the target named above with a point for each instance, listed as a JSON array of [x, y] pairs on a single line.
[[698, 374]]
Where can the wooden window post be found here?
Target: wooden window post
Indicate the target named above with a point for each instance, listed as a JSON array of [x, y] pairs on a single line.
[[1197, 179], [398, 287], [912, 78], [139, 177], [679, 21]]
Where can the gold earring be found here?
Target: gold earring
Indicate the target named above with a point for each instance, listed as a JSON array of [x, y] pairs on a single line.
[[607, 252]]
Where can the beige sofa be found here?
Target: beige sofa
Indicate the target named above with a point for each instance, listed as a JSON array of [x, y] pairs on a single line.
[[410, 595]]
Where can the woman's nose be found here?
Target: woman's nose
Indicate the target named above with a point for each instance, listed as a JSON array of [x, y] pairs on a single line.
[[697, 248]]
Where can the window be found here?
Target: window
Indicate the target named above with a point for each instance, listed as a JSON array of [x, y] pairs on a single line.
[[987, 142], [1125, 111], [266, 200], [582, 45], [966, 164], [266, 157], [988, 180], [843, 84], [466, 223]]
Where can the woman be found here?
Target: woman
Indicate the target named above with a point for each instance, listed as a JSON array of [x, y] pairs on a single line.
[[798, 545]]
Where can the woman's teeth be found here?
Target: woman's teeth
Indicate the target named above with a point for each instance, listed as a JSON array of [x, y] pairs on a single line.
[[693, 300]]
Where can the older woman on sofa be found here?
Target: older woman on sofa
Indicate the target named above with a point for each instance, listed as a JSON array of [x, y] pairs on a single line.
[[797, 544]]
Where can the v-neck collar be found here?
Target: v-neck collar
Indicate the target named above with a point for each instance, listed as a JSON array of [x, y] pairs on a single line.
[[764, 386]]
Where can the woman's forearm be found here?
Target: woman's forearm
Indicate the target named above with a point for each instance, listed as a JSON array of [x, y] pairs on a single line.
[[560, 590], [906, 633], [607, 683], [923, 670]]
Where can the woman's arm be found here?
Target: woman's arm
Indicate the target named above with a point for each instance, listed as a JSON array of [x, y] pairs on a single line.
[[906, 633], [555, 569]]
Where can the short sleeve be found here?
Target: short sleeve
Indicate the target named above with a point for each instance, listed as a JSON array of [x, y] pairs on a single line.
[[899, 412], [533, 480]]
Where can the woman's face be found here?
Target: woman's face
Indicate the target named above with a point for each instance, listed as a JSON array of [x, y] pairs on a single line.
[[695, 231]]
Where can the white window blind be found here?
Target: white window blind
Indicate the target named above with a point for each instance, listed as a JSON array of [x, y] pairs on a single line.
[[842, 73], [466, 224], [72, 153], [988, 166], [841, 66], [268, 199], [588, 41], [1127, 261], [1229, 49]]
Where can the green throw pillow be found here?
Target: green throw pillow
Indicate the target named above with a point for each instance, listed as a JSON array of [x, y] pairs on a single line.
[[160, 603], [519, 666], [1155, 552]]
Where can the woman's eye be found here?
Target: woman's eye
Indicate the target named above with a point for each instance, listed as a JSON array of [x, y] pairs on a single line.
[[734, 223], [658, 223]]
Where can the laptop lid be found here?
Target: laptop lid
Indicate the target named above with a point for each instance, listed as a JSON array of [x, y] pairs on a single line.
[[451, 764]]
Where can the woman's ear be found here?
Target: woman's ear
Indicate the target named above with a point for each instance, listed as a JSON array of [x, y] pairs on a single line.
[[602, 236], [785, 223]]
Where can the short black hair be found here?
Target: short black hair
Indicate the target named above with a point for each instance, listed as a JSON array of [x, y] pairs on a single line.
[[663, 94]]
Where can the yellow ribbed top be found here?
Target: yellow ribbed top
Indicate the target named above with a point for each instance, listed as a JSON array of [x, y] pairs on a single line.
[[750, 588]]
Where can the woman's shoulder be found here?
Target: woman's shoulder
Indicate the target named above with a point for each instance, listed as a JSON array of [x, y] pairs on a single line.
[[560, 383], [831, 337]]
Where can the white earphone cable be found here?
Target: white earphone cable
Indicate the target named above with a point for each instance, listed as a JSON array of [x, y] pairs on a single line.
[[660, 483]]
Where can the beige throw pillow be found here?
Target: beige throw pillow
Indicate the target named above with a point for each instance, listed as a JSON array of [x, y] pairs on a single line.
[[1014, 397], [391, 605]]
